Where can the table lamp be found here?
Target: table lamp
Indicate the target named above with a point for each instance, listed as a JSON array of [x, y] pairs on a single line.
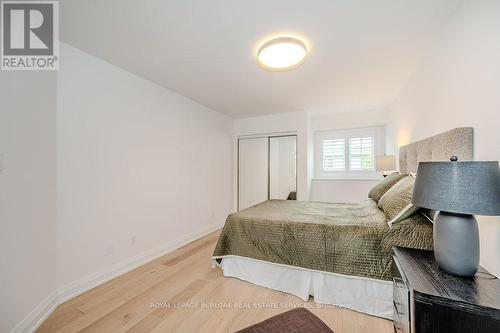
[[457, 190], [385, 163]]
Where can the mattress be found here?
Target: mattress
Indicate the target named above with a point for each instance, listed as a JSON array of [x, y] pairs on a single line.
[[348, 239]]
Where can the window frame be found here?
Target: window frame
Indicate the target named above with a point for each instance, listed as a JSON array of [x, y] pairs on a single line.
[[377, 132]]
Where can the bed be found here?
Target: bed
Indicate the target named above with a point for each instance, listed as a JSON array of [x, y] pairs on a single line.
[[338, 253]]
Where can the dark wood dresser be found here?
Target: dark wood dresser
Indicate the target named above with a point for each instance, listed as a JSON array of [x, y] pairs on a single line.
[[427, 299]]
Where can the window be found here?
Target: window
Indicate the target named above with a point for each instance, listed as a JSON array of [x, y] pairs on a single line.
[[333, 154], [362, 153], [348, 153]]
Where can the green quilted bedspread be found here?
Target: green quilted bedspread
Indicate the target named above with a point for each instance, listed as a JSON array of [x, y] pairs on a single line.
[[350, 239]]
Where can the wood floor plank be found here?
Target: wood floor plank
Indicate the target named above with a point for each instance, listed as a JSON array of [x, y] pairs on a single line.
[[215, 303], [148, 323], [110, 305], [223, 314], [127, 278], [54, 323], [188, 253], [195, 307], [134, 310], [138, 284], [101, 304]]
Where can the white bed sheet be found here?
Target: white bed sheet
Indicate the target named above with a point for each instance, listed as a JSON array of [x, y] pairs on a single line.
[[370, 296]]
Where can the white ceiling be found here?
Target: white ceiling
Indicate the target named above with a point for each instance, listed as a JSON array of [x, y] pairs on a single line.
[[363, 51]]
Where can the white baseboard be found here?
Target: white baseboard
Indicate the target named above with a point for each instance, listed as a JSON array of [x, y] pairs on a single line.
[[36, 317], [73, 289], [91, 281]]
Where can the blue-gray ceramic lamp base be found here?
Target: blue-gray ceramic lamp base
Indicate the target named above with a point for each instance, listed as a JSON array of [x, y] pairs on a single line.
[[456, 243]]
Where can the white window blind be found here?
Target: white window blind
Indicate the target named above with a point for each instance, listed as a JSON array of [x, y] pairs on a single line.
[[347, 152], [362, 153], [334, 154]]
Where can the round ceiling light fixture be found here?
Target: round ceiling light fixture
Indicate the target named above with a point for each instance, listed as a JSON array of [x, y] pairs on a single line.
[[282, 53]]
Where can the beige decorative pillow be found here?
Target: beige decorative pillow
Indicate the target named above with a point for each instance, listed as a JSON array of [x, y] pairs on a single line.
[[396, 202], [384, 185]]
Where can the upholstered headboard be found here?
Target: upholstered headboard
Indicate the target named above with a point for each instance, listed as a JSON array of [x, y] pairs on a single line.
[[440, 147]]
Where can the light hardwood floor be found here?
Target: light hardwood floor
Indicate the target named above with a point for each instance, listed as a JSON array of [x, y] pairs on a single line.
[[168, 295]]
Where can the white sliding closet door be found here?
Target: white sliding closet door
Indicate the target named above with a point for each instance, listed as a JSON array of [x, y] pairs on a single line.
[[252, 171], [282, 166]]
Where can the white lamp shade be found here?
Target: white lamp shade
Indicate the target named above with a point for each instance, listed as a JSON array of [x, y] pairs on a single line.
[[386, 163]]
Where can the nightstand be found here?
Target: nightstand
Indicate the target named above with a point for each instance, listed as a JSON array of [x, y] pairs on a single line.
[[427, 299]]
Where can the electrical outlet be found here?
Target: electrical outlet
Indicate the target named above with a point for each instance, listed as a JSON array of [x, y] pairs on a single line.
[[132, 240]]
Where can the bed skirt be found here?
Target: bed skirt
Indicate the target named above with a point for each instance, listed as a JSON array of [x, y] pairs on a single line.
[[370, 296]]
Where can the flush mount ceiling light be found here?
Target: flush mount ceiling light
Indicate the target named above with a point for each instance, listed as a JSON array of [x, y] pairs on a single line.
[[282, 53]]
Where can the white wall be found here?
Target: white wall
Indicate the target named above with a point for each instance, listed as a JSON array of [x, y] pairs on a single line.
[[343, 120], [341, 190], [27, 194], [458, 84], [344, 190], [135, 162]]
